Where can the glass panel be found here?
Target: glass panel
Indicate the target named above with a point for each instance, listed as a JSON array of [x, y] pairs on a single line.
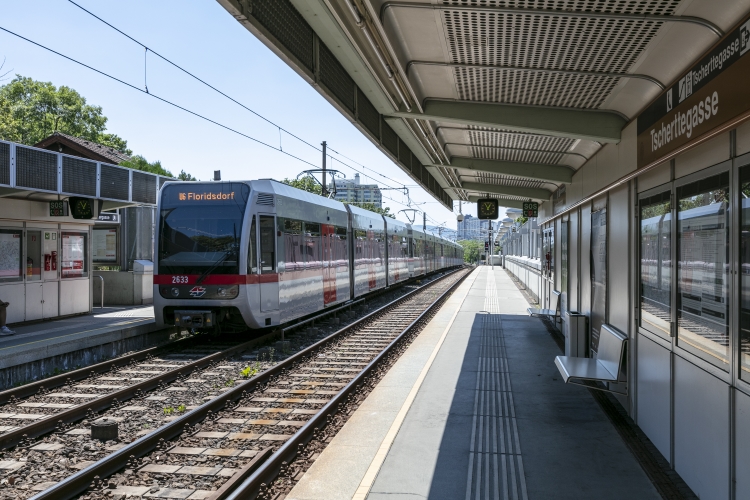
[[291, 247], [656, 263], [563, 267], [312, 244], [745, 275], [598, 276], [74, 250], [200, 228], [702, 268], [267, 240], [10, 255]]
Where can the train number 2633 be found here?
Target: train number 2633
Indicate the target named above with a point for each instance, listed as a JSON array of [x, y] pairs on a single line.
[[179, 279]]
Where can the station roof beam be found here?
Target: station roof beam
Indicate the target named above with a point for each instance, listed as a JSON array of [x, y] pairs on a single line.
[[591, 124], [540, 171], [537, 194]]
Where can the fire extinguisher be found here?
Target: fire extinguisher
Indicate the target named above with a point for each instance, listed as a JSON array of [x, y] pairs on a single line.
[[54, 260], [47, 262]]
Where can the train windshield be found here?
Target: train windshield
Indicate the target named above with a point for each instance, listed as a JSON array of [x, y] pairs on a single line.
[[200, 227]]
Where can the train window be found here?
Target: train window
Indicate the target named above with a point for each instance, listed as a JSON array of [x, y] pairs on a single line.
[[252, 262], [702, 267], [745, 274], [267, 244], [293, 250], [312, 241], [656, 263]]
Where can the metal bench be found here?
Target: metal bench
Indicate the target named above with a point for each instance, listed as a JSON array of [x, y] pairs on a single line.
[[604, 368], [554, 314]]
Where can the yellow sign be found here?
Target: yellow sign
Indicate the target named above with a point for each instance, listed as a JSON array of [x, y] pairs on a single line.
[[206, 196]]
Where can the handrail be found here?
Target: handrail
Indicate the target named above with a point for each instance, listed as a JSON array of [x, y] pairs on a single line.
[[101, 306]]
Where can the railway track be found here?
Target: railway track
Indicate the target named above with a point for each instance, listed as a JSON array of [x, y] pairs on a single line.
[[242, 438]]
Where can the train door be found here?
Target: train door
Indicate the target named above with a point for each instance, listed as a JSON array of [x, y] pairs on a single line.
[[269, 278], [329, 264]]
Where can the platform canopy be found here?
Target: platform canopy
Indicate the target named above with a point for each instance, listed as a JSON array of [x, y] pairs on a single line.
[[476, 98]]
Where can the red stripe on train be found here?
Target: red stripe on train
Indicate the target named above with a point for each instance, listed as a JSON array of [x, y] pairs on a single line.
[[215, 279]]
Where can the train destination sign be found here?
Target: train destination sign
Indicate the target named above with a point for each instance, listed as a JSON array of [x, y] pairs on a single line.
[[206, 196], [710, 94], [530, 209]]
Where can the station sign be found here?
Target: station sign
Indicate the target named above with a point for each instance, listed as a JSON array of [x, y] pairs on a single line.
[[488, 209], [712, 93], [530, 209], [105, 217], [58, 208]]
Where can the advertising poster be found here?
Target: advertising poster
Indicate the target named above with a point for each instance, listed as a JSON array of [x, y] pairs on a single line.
[[10, 254], [105, 245], [73, 255]]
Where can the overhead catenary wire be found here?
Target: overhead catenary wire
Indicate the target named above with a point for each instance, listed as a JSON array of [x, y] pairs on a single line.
[[166, 101], [227, 96], [151, 94]]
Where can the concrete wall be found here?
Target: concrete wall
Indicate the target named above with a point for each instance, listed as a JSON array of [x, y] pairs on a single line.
[[123, 288]]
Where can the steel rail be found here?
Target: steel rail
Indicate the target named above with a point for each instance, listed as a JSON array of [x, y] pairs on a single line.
[[33, 388], [74, 485], [288, 451], [78, 412], [607, 74], [662, 18]]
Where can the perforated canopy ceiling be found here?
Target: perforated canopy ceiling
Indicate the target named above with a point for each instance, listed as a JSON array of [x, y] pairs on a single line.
[[500, 98]]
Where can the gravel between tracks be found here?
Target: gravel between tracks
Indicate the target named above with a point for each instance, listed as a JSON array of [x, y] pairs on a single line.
[[35, 465]]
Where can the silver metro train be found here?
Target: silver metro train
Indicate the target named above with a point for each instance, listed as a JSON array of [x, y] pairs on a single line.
[[257, 254]]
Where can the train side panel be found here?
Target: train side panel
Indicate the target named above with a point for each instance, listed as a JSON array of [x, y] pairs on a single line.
[[398, 251], [368, 246]]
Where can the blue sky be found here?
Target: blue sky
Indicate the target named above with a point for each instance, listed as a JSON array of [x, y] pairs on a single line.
[[203, 38]]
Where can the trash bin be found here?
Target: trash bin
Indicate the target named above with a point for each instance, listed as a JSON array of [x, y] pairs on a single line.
[[575, 329]]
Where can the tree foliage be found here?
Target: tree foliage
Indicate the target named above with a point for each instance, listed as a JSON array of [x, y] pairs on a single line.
[[306, 183], [32, 110], [184, 176], [472, 250], [138, 162]]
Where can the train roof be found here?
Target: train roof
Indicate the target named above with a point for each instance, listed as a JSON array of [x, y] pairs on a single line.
[[276, 187]]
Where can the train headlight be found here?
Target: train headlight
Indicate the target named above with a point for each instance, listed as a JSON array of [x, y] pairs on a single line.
[[175, 292], [228, 292]]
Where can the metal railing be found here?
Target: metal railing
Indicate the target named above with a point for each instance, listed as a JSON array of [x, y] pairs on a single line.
[[101, 306]]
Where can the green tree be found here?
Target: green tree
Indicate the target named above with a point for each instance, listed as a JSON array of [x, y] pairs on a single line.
[[472, 250], [306, 183], [184, 176], [521, 219], [32, 110], [138, 162]]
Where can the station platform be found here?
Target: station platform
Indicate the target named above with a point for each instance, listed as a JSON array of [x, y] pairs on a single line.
[[48, 347], [475, 409]]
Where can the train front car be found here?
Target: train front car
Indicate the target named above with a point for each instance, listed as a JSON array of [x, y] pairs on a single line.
[[199, 273]]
